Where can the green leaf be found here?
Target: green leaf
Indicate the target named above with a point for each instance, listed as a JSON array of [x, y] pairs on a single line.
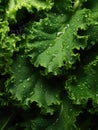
[[93, 35], [39, 123], [50, 43], [67, 117], [92, 30], [67, 5], [28, 86], [15, 5], [92, 5], [3, 4], [83, 85], [7, 46]]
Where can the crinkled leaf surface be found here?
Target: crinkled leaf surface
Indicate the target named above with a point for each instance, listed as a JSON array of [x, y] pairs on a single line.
[[65, 5], [50, 43], [93, 5], [66, 119], [84, 84], [28, 86], [68, 5], [15, 5], [3, 96], [7, 46], [54, 35], [39, 123], [2, 9], [93, 35]]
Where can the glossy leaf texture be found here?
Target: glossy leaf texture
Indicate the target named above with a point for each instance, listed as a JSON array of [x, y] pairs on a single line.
[[83, 85], [7, 46], [67, 117], [48, 65], [28, 86], [51, 42], [15, 5]]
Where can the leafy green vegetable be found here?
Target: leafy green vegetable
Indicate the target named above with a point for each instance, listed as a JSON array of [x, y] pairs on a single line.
[[64, 121], [7, 46], [54, 40], [28, 86], [48, 65], [14, 6], [83, 85]]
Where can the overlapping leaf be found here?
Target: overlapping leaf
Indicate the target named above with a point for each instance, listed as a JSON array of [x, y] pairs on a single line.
[[92, 5], [68, 5], [7, 46], [28, 86], [84, 84], [50, 43], [16, 5], [38, 123], [66, 119], [68, 32]]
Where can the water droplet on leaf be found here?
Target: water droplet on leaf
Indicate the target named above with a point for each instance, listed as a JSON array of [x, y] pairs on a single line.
[[59, 33], [28, 79], [97, 95], [24, 86]]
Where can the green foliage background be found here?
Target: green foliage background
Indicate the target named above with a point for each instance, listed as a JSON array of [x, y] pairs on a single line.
[[48, 64]]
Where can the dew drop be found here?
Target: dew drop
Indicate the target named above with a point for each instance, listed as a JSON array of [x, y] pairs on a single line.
[[70, 109], [65, 28], [69, 62], [62, 14], [31, 93], [22, 56], [59, 33], [20, 80], [78, 101], [54, 54], [39, 51], [68, 25], [50, 45], [96, 94], [46, 23], [24, 86], [50, 25], [93, 42], [19, 66], [28, 79], [81, 88], [55, 14], [86, 16], [47, 52], [67, 46], [27, 100]]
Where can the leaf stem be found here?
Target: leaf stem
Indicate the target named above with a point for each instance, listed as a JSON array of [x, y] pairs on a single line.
[[6, 122]]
